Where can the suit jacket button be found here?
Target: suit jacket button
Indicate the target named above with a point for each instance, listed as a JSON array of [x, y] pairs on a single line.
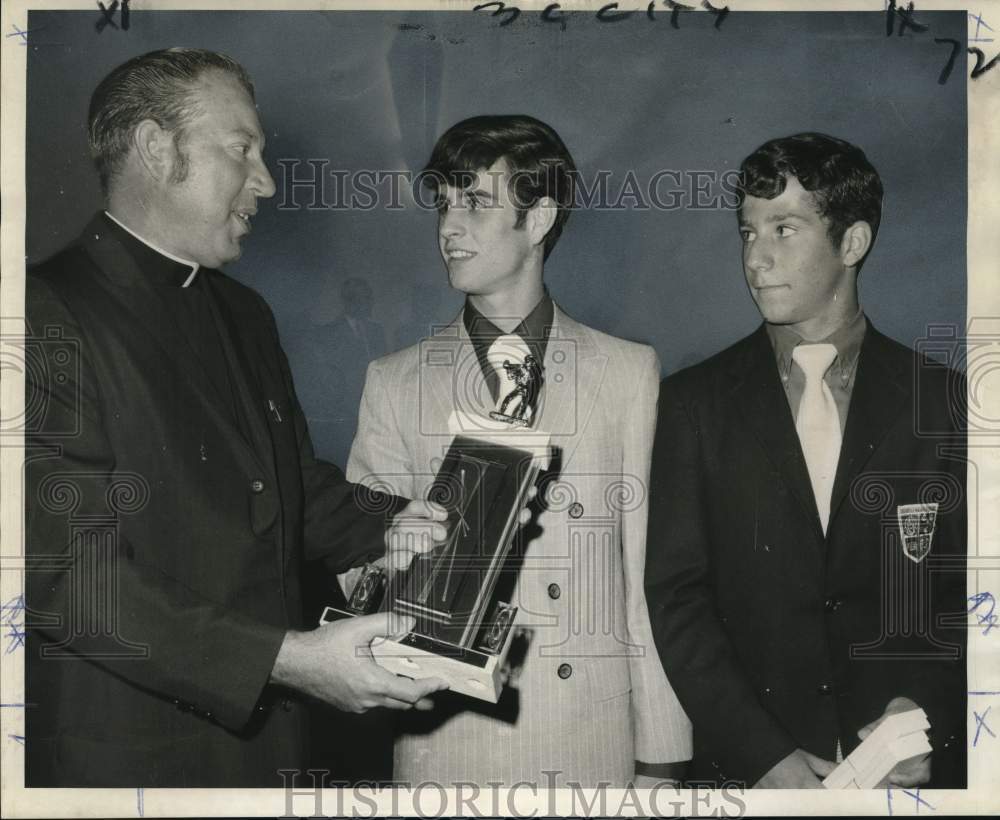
[[825, 689], [575, 509], [256, 486], [286, 704], [554, 591], [564, 670]]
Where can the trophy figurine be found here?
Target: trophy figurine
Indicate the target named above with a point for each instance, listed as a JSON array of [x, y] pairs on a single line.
[[527, 380]]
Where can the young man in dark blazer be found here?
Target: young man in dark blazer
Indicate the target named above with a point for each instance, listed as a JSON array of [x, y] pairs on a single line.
[[171, 491], [807, 529]]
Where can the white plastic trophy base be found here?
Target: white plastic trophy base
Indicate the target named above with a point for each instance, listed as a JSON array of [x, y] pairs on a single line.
[[463, 674], [474, 672], [469, 671]]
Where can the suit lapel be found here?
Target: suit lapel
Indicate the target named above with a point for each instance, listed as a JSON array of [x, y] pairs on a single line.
[[877, 400], [764, 407], [450, 378], [574, 372]]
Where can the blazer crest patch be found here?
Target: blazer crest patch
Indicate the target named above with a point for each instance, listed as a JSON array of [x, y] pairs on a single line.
[[916, 528]]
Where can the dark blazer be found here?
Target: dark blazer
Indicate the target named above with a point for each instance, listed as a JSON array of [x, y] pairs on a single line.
[[167, 518], [774, 636]]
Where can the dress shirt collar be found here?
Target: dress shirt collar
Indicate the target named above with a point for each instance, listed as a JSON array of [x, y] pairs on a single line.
[[162, 267], [847, 339], [534, 328]]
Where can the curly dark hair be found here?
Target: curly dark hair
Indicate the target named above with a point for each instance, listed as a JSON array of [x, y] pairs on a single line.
[[844, 184]]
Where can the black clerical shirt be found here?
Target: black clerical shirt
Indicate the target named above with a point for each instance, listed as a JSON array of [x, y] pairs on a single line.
[[186, 294]]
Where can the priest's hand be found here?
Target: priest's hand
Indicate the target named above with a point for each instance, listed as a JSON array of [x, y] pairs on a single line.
[[334, 664]]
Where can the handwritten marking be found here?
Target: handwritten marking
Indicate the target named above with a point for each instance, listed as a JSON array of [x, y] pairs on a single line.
[[607, 13], [979, 68], [16, 638], [500, 8], [138, 801], [980, 22], [676, 9], [17, 738], [977, 600], [905, 19], [108, 16], [918, 800], [13, 608], [981, 724], [19, 33], [549, 15], [720, 14], [12, 616], [888, 798], [955, 47]]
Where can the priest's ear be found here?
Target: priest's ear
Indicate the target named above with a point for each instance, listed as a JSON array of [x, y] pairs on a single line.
[[540, 219], [856, 242], [156, 150]]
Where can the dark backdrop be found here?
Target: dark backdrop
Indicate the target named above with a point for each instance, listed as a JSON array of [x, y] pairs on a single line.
[[373, 90]]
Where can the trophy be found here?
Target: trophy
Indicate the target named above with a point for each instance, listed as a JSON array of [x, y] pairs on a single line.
[[462, 631]]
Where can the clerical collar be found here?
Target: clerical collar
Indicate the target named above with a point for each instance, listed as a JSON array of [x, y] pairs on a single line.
[[159, 265], [534, 329], [847, 339]]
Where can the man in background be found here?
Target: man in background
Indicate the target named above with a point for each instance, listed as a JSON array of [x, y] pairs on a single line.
[[335, 353]]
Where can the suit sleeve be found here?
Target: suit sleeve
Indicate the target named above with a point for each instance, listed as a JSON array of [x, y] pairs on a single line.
[[183, 646], [662, 729], [344, 523], [728, 719]]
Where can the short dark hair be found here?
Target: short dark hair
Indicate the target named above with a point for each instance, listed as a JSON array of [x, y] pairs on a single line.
[[156, 86], [540, 163], [844, 184]]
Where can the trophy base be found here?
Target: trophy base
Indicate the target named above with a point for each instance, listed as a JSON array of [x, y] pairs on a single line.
[[471, 673], [467, 671]]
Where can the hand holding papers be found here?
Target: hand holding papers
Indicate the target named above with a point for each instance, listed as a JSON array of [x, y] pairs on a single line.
[[898, 737]]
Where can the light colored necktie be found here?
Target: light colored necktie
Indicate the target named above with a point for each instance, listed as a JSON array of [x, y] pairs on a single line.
[[818, 424]]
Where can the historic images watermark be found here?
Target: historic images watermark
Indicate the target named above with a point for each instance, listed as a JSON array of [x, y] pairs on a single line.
[[312, 185], [313, 794]]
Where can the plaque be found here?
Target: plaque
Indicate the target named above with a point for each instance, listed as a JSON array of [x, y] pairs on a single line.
[[462, 631]]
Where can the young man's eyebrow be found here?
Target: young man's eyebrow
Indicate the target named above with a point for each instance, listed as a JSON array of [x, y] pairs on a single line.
[[480, 192], [785, 217]]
